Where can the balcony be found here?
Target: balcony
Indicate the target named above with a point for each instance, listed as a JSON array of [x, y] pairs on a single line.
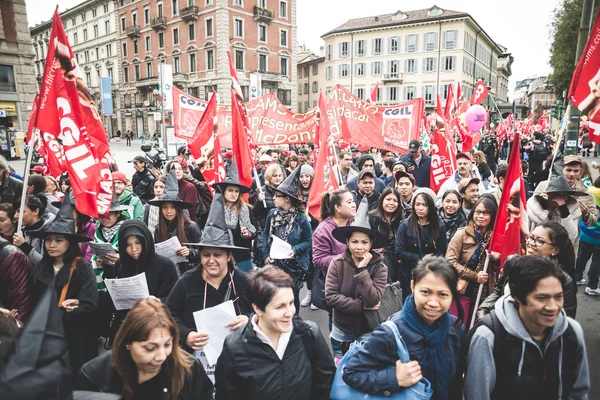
[[189, 13], [133, 31], [180, 77], [263, 14], [397, 77], [268, 76], [147, 83], [159, 23]]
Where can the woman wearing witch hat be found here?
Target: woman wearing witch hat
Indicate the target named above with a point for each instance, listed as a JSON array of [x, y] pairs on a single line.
[[289, 223], [212, 282], [172, 221], [73, 278], [355, 279], [238, 216]]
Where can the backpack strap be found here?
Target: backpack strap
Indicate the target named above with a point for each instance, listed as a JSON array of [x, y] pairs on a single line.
[[492, 322]]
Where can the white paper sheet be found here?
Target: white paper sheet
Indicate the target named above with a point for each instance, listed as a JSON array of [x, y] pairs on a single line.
[[125, 292], [280, 250], [212, 320], [101, 249], [168, 249]]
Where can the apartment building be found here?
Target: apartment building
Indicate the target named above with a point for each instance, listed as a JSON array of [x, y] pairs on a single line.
[[411, 54], [17, 77], [194, 36], [311, 79], [92, 32]]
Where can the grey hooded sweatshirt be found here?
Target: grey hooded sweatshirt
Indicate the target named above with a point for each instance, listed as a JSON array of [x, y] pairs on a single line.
[[480, 377]]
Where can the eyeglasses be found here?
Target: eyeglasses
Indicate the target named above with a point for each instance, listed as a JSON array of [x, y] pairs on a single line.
[[539, 242], [477, 213]]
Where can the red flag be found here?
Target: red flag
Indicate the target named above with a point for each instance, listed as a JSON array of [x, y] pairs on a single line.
[[373, 98], [443, 160], [449, 109], [479, 93], [239, 140], [459, 98], [32, 117], [218, 173], [67, 112], [511, 223], [322, 165], [235, 83], [205, 129]]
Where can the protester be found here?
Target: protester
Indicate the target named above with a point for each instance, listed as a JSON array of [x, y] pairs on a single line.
[[187, 192], [434, 338], [538, 153], [527, 347], [355, 280], [452, 214], [8, 224], [36, 186], [589, 247], [343, 171], [84, 226], [151, 212], [366, 163], [10, 328], [126, 196], [72, 276], [469, 191], [174, 222], [52, 189], [239, 217], [142, 180], [366, 188], [464, 169], [288, 222], [419, 163], [496, 190], [405, 183], [467, 252], [146, 361], [277, 355], [10, 187], [34, 219], [291, 163], [419, 235], [386, 219], [306, 179], [15, 274], [484, 169]]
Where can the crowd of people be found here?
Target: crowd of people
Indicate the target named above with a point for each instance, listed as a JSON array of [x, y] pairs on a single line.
[[383, 225]]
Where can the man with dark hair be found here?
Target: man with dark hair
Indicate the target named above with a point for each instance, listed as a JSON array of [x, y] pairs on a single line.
[[527, 347], [343, 170], [469, 191], [496, 191], [366, 162], [366, 187], [142, 181], [386, 169], [10, 188], [538, 153], [419, 163], [302, 156]]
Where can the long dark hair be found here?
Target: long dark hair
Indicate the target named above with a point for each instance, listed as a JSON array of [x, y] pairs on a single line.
[[448, 193], [490, 205], [442, 269], [432, 217], [72, 252], [330, 200], [398, 215], [162, 227], [560, 237]]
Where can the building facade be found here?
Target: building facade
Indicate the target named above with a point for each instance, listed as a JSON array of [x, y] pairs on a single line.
[[194, 36], [411, 54], [311, 79], [91, 29], [17, 74]]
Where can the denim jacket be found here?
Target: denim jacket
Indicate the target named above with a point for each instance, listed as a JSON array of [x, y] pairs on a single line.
[[300, 238]]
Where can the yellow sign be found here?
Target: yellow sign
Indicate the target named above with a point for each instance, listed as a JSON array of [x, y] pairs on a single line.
[[10, 107]]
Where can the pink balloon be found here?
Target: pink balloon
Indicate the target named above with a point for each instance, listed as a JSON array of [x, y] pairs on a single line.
[[475, 117]]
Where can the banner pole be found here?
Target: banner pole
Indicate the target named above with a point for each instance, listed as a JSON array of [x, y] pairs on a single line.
[[478, 299], [497, 109], [259, 186], [31, 145], [561, 134], [335, 157]]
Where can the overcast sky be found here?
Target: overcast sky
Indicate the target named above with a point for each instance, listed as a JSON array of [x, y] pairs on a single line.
[[520, 25]]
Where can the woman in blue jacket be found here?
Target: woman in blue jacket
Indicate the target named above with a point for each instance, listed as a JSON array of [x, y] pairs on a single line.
[[434, 338], [289, 223], [419, 235]]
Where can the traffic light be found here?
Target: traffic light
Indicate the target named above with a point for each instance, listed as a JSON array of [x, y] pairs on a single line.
[[556, 108]]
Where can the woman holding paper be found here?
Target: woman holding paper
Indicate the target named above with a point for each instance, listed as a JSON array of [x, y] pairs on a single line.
[[72, 276], [173, 222], [213, 282], [277, 355], [146, 361], [289, 223]]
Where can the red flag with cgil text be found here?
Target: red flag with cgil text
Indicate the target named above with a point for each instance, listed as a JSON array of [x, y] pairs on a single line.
[[443, 152], [67, 113], [511, 225]]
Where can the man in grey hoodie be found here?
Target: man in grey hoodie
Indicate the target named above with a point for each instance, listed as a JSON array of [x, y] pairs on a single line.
[[527, 348]]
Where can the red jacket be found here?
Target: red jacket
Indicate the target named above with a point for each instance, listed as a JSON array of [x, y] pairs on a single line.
[[15, 283], [188, 193]]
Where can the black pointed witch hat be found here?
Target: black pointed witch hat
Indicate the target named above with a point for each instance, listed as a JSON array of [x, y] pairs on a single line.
[[289, 186], [216, 233], [558, 184], [171, 194], [40, 367], [63, 224], [232, 179], [361, 224], [116, 206]]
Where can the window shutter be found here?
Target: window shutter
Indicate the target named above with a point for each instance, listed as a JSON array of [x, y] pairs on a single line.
[[416, 42], [435, 64], [444, 34], [435, 40]]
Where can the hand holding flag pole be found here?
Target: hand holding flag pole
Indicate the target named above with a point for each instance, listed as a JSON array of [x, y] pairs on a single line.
[[32, 143]]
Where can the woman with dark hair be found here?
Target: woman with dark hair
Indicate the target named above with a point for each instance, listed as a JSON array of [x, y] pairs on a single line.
[[173, 222], [549, 239], [146, 361], [277, 355], [356, 279], [151, 212], [72, 276], [467, 253], [186, 191], [434, 338], [34, 219], [289, 223], [451, 213], [306, 178], [8, 226], [386, 219], [419, 235], [290, 164]]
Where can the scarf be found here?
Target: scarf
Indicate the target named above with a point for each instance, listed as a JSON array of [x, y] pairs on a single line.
[[452, 222], [232, 218], [284, 219], [109, 233], [153, 215], [433, 362]]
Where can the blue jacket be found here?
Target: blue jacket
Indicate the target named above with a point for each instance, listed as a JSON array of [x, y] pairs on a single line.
[[421, 171], [407, 248], [373, 369], [300, 238]]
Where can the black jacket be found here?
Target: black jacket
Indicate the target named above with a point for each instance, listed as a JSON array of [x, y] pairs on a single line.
[[188, 293], [249, 369], [100, 375], [10, 190], [143, 185], [193, 234]]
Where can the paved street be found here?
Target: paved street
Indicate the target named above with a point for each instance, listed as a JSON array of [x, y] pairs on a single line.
[[588, 312]]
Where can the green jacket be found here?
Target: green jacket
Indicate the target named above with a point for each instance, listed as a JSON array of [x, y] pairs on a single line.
[[130, 199]]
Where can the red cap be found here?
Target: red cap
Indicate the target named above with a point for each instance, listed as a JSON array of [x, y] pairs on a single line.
[[464, 155], [229, 154], [38, 168], [119, 176]]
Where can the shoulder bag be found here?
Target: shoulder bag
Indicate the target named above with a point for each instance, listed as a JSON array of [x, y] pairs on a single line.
[[342, 391]]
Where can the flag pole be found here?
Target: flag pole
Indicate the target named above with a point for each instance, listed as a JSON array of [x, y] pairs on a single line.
[[259, 186], [561, 134], [335, 157], [497, 109], [32, 143], [478, 299]]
